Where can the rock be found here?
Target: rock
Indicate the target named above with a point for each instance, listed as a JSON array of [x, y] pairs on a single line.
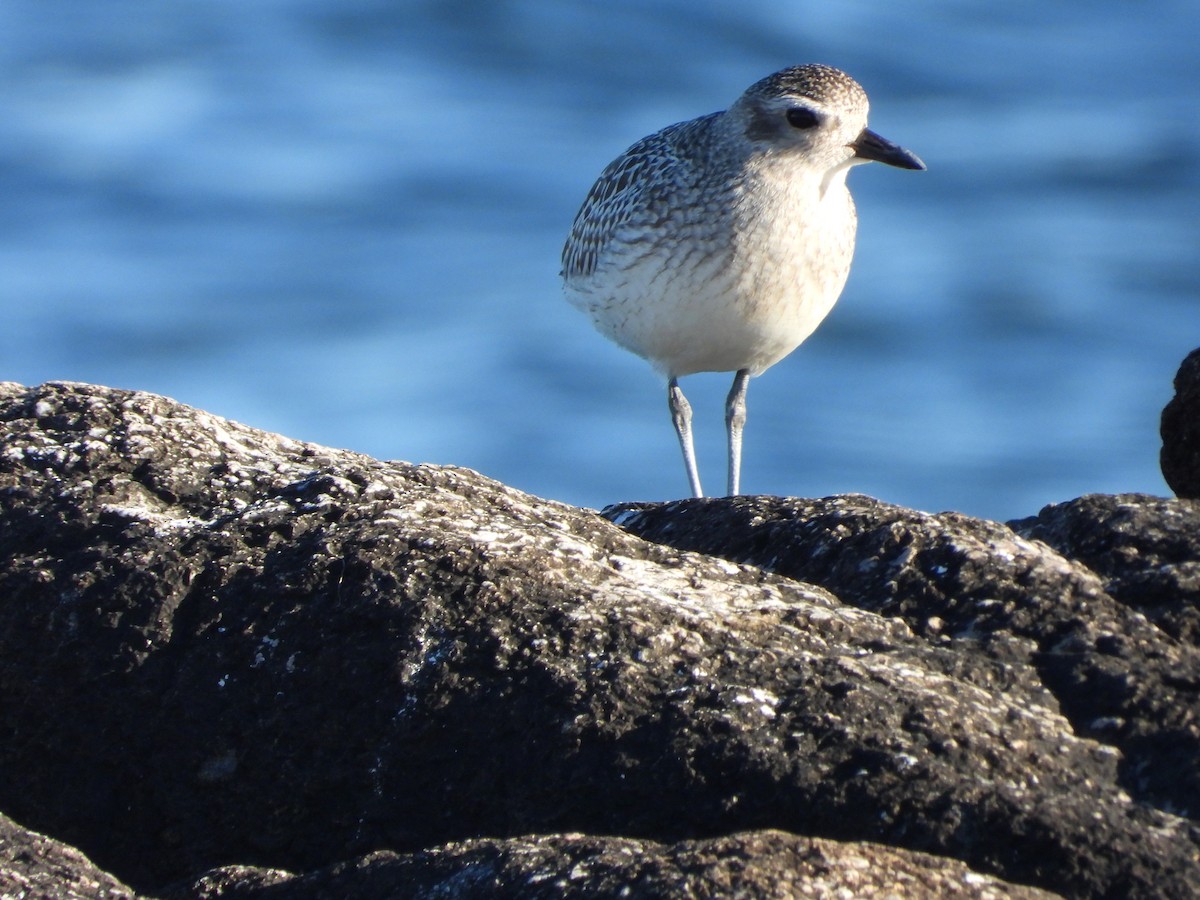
[[223, 648], [1146, 549], [751, 864], [1037, 614], [1180, 429], [36, 867]]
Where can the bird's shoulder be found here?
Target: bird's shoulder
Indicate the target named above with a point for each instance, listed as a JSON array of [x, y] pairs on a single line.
[[642, 179]]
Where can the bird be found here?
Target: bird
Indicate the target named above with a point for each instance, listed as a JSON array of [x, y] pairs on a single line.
[[719, 244]]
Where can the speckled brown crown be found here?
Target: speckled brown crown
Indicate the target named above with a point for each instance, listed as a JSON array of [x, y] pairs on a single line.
[[824, 84]]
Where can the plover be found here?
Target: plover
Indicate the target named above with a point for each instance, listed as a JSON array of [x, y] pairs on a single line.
[[719, 244]]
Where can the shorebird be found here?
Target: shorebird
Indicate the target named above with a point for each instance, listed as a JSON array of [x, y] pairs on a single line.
[[719, 244]]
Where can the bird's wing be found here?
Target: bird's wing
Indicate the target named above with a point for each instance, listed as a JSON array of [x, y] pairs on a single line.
[[639, 180]]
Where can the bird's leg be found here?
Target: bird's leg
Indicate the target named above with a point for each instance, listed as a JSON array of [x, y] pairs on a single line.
[[681, 415], [735, 421]]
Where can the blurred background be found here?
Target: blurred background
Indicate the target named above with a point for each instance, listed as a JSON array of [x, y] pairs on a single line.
[[342, 221]]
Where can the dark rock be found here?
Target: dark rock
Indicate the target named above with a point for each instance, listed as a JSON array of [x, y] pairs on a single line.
[[1045, 618], [220, 647], [1147, 550], [1033, 620], [1180, 429], [35, 867], [746, 865]]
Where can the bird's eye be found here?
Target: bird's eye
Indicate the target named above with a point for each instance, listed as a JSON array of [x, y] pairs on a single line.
[[802, 117]]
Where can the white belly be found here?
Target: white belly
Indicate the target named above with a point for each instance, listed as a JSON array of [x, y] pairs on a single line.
[[742, 296]]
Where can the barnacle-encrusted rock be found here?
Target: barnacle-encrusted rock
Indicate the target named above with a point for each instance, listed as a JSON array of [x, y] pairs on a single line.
[[225, 651]]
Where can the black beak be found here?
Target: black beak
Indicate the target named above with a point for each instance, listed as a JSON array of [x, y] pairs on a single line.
[[869, 145]]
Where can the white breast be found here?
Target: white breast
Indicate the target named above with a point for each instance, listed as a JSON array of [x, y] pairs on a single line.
[[737, 288]]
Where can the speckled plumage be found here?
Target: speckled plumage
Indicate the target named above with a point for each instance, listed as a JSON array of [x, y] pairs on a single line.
[[720, 243]]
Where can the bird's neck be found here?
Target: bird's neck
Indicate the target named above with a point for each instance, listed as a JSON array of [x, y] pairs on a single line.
[[792, 185], [835, 178]]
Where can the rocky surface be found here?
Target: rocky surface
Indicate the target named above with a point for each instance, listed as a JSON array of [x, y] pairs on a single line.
[[1180, 428], [1102, 616], [754, 864], [305, 672], [36, 867]]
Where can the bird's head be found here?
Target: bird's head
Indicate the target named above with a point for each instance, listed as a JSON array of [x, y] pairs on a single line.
[[816, 113]]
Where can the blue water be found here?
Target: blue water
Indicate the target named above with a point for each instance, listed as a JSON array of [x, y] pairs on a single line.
[[342, 221]]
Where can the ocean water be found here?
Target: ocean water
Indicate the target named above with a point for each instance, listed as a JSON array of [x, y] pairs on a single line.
[[342, 221]]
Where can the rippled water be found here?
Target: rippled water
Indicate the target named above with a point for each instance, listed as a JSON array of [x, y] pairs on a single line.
[[342, 221]]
